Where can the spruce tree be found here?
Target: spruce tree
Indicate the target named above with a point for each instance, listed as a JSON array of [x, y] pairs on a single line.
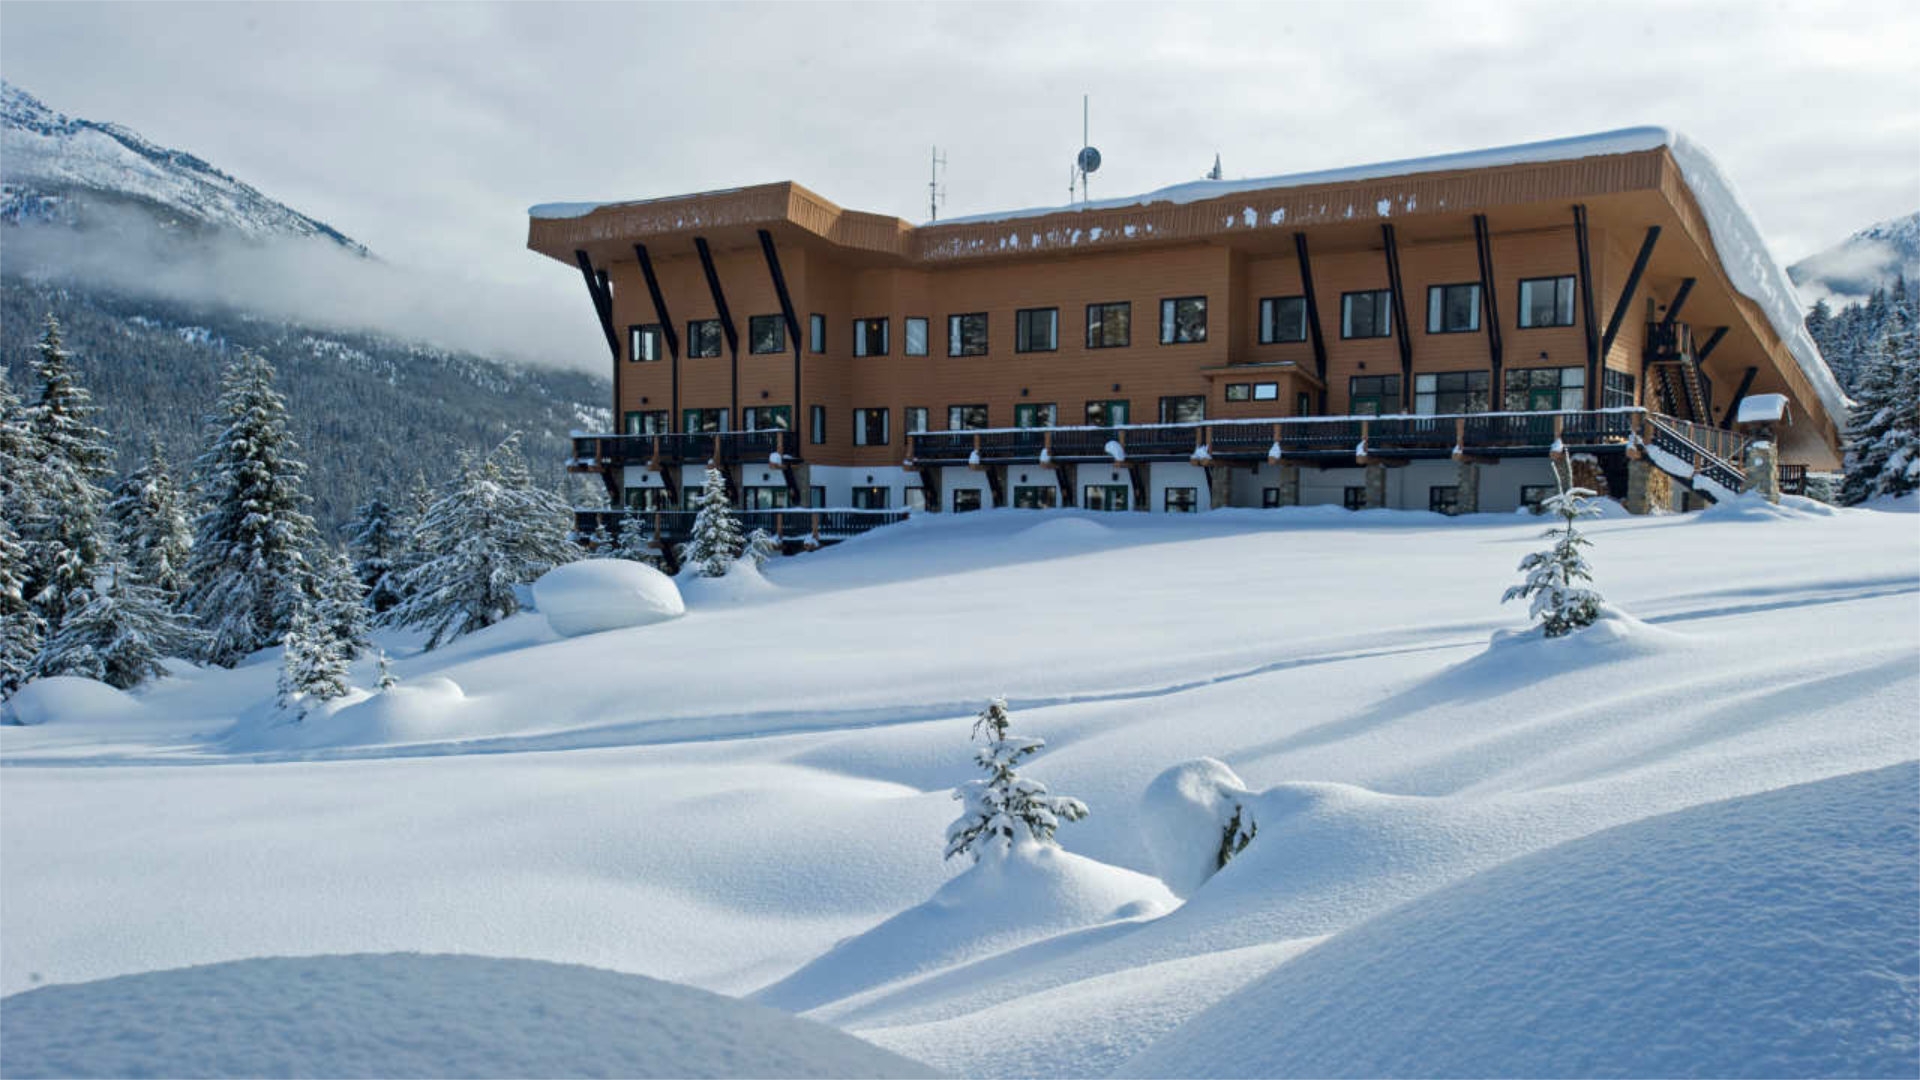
[[378, 544], [716, 539], [150, 518], [249, 570], [761, 546], [340, 610], [120, 636], [1005, 809], [62, 531], [600, 541], [635, 542], [22, 630], [1883, 444], [1560, 602], [312, 667]]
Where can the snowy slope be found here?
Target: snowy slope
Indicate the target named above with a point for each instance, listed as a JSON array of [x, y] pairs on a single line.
[[1869, 259], [1771, 935], [60, 169], [413, 1015], [723, 799]]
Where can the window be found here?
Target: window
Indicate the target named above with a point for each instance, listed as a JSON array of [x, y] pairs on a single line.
[[1453, 309], [1545, 389], [645, 343], [763, 498], [1283, 319], [966, 417], [916, 335], [703, 338], [704, 421], [869, 498], [766, 334], [1036, 330], [817, 333], [1534, 496], [1269, 498], [1366, 314], [1354, 498], [1106, 413], [1183, 410], [966, 499], [651, 422], [816, 424], [1450, 392], [916, 498], [1025, 415], [869, 337], [1239, 391], [816, 496], [1183, 500], [1104, 497], [1109, 326], [1183, 320], [1616, 389], [967, 334], [768, 418], [1303, 404], [869, 427], [1266, 391], [1444, 499], [690, 496], [647, 498], [1372, 395], [1035, 497], [1546, 302], [915, 418]]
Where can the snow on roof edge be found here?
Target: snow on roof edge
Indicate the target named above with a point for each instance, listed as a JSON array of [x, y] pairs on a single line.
[[562, 210]]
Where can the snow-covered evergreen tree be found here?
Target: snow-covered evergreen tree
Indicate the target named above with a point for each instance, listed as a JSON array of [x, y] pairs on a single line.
[[249, 571], [377, 545], [340, 608], [150, 518], [600, 541], [388, 680], [716, 539], [409, 516], [493, 529], [312, 666], [1883, 439], [635, 542], [761, 546], [1554, 576], [126, 628], [62, 530], [1006, 808], [22, 631]]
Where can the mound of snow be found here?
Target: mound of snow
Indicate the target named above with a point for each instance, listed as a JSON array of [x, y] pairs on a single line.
[[1754, 507], [743, 583], [1184, 813], [406, 1014], [1777, 935], [1003, 901], [65, 699], [1060, 534], [593, 595], [426, 709]]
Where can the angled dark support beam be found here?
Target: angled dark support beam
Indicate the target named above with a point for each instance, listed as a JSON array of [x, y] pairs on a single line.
[[1679, 301], [1588, 316], [1626, 292], [1400, 337], [667, 331], [1489, 302], [726, 323], [1313, 314], [1713, 342], [602, 300], [787, 314], [1739, 393]]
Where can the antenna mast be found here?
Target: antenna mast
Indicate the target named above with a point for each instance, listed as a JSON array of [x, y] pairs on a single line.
[[936, 192], [1087, 161]]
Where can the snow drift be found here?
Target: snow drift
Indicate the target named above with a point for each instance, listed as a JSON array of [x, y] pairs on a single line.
[[408, 1014], [66, 698], [1768, 935], [593, 595], [1184, 815]]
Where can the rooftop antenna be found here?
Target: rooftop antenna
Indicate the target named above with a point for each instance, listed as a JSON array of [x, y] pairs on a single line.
[[1215, 173], [936, 191], [1088, 160]]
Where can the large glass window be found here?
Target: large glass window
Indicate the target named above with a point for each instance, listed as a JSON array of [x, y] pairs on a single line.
[[1107, 413], [1373, 395], [768, 418], [1545, 389], [966, 417], [1104, 496], [1036, 330], [703, 338], [649, 422], [967, 334], [766, 334], [870, 498], [1035, 497], [1616, 389], [869, 427], [965, 500], [1239, 391], [816, 333], [916, 335], [1451, 392], [646, 343], [764, 498], [1026, 415], [1283, 319], [1182, 500], [1266, 391], [915, 418], [1546, 302], [704, 421], [869, 337], [1186, 409], [1183, 320], [1109, 326], [1453, 309], [1366, 314], [1444, 499], [648, 499]]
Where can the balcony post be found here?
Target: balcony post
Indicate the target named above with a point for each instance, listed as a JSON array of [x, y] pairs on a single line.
[[1289, 484], [1376, 485], [1469, 484]]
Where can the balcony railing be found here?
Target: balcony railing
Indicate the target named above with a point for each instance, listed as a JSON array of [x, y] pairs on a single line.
[[796, 524], [592, 452]]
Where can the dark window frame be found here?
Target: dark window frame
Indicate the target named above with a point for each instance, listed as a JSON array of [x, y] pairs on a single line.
[[909, 414], [1169, 401], [1190, 502], [1023, 330], [1269, 321], [1520, 385], [755, 323], [957, 336], [1444, 499], [1170, 320], [817, 334], [1525, 313], [1100, 311], [1035, 497], [750, 416], [1238, 391], [863, 336], [695, 331], [653, 330], [1388, 392], [863, 426], [664, 418], [1354, 496], [1381, 315], [1266, 391], [1442, 293], [1126, 406], [1467, 389], [974, 497], [986, 416], [862, 497], [1053, 420], [725, 416], [816, 424]]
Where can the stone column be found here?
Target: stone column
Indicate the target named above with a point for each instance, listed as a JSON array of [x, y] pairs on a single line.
[[1763, 466], [1469, 501], [1219, 486], [1289, 485], [1639, 486], [1376, 485]]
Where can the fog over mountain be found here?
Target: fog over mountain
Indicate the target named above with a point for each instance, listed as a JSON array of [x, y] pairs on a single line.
[[1870, 259]]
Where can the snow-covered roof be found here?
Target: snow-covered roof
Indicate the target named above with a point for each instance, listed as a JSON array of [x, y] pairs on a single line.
[[1762, 409]]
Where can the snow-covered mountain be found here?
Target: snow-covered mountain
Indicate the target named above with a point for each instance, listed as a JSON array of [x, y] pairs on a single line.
[[1869, 259], [64, 170]]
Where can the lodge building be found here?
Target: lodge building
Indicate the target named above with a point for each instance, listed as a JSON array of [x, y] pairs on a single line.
[[1421, 335]]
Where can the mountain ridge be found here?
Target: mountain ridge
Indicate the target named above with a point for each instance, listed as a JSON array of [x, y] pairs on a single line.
[[1869, 259]]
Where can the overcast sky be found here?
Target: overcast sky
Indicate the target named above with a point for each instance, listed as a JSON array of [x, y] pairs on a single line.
[[425, 131]]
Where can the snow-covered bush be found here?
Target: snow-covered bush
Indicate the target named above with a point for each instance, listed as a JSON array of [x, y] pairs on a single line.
[[1560, 602], [761, 546], [635, 543], [1005, 809], [1195, 817], [716, 540]]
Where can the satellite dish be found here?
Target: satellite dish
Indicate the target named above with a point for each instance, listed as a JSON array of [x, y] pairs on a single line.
[[1089, 159]]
